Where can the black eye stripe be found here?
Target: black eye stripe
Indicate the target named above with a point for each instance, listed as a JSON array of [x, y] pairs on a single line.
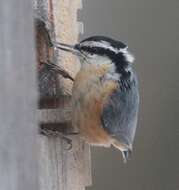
[[118, 59], [97, 50], [88, 49]]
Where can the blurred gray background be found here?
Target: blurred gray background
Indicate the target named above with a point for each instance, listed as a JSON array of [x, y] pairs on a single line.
[[151, 29]]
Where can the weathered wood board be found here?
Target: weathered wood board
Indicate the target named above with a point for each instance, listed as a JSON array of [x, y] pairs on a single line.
[[62, 169]]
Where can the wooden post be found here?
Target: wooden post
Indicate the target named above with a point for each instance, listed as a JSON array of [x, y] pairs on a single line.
[[18, 97], [61, 169]]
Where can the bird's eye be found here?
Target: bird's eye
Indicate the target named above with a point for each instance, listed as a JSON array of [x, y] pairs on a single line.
[[91, 54]]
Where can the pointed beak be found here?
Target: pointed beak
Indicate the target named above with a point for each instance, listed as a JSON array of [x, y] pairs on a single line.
[[67, 48]]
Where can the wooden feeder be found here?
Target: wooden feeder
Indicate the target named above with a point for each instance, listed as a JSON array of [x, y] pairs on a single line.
[[60, 168]]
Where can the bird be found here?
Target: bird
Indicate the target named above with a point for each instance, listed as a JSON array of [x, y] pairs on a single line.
[[105, 94]]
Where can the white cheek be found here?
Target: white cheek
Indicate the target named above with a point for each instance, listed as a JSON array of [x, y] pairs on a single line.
[[98, 60]]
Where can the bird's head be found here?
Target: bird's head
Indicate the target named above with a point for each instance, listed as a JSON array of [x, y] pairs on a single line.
[[101, 50]]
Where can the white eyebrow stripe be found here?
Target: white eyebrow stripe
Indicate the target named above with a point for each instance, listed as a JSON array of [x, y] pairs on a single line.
[[103, 44]]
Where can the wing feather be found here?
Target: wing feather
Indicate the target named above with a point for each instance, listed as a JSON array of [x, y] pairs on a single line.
[[119, 115]]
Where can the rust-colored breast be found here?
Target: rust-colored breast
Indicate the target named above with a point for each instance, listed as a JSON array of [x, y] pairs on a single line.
[[90, 93]]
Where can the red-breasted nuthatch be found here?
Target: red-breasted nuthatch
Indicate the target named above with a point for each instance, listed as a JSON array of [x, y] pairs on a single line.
[[105, 97]]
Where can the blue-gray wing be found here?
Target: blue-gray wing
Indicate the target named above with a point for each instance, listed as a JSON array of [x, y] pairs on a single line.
[[119, 115]]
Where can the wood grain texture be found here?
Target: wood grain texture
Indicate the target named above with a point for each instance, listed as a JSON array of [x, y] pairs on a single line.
[[54, 115], [18, 97], [55, 102], [64, 169], [61, 169], [67, 31]]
